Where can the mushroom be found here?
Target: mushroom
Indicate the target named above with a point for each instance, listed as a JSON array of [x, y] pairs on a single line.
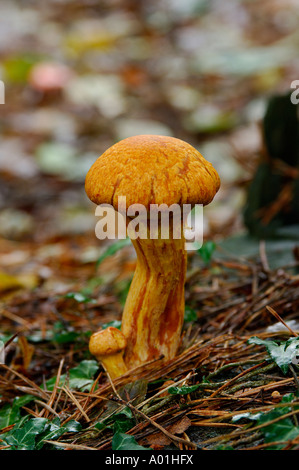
[[153, 170], [108, 347]]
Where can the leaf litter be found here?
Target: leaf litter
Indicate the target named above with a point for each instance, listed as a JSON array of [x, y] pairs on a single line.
[[230, 366]]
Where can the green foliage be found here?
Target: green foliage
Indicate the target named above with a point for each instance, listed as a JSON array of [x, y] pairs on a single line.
[[190, 314], [206, 251], [282, 430], [184, 390], [123, 421], [23, 437], [283, 353], [119, 422], [78, 378], [114, 323], [122, 441], [120, 419], [79, 297], [62, 335], [59, 334], [11, 414], [30, 434]]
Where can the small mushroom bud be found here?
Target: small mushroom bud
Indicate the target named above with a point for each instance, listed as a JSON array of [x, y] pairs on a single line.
[[276, 397], [108, 346]]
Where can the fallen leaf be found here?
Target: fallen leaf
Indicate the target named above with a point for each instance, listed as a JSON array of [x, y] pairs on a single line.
[[159, 439], [27, 351], [11, 282], [8, 282]]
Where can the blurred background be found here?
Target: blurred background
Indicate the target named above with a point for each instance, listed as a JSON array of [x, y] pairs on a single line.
[[80, 75]]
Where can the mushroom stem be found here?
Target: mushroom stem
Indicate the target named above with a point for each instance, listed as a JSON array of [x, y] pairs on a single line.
[[154, 311], [114, 365]]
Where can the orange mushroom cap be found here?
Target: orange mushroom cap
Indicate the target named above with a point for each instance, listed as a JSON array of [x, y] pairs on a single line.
[[152, 169], [107, 342]]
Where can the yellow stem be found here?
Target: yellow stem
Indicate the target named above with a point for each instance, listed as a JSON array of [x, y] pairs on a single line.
[[154, 311], [114, 364]]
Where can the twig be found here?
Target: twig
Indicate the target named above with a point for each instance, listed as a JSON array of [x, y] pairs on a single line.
[[69, 446], [263, 256], [38, 391], [51, 401], [74, 399], [278, 317], [47, 407]]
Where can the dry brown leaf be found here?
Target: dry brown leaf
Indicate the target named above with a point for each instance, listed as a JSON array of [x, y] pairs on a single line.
[[159, 439], [27, 351], [165, 385]]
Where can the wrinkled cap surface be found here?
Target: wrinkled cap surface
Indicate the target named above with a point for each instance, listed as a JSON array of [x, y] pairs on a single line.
[[152, 169]]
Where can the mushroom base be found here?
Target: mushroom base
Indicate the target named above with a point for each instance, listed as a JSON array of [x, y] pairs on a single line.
[[154, 311]]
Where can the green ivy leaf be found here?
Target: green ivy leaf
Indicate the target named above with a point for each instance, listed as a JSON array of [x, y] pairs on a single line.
[[80, 377], [119, 422], [123, 421], [23, 438], [283, 353], [123, 424], [122, 441], [32, 433], [11, 414], [54, 430], [282, 430]]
